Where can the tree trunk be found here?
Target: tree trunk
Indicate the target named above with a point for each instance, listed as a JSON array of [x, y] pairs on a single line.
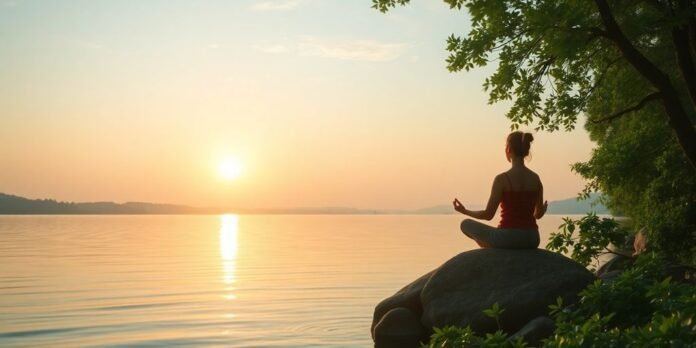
[[677, 117]]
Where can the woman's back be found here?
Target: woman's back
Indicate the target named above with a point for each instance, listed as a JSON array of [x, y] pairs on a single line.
[[520, 194], [521, 179]]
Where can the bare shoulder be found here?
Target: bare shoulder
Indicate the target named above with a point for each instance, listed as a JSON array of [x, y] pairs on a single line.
[[499, 182], [500, 178]]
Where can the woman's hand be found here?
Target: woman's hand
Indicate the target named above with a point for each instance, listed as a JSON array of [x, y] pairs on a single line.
[[458, 206], [540, 211]]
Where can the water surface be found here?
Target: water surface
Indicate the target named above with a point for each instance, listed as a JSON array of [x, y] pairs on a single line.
[[240, 281]]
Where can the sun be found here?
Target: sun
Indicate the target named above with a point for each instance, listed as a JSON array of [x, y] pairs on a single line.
[[230, 168]]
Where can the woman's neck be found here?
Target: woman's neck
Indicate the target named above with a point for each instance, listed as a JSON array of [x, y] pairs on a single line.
[[517, 162]]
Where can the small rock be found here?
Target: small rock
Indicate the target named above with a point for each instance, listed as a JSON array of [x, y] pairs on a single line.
[[408, 297], [535, 331], [399, 328]]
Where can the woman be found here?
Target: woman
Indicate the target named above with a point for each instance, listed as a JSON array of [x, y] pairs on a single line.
[[519, 193]]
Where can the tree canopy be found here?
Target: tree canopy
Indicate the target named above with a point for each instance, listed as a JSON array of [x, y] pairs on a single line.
[[553, 58]]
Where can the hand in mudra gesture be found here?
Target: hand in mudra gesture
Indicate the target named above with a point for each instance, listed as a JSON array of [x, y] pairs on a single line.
[[458, 206]]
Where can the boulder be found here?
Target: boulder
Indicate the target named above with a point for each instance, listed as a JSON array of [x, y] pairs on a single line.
[[523, 282], [535, 331], [399, 328], [408, 297]]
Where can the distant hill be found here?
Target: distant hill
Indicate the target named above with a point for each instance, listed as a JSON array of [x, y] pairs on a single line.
[[570, 206], [11, 204], [573, 206]]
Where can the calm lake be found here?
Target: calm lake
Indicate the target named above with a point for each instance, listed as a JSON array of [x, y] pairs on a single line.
[[230, 280]]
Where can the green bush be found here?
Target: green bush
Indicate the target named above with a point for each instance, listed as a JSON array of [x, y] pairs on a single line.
[[455, 337], [638, 309], [593, 238]]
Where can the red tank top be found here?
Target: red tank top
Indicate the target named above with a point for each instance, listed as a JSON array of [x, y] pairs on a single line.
[[517, 209]]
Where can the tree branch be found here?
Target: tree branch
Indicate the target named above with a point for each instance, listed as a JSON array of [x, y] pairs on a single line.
[[644, 66], [599, 78], [603, 73], [511, 39], [619, 253], [641, 104]]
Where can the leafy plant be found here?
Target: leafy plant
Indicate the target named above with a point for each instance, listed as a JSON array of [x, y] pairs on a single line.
[[454, 337], [494, 312], [638, 309], [593, 237]]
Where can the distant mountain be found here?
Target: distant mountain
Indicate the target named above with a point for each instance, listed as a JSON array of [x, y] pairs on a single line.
[[11, 204], [573, 206], [569, 206]]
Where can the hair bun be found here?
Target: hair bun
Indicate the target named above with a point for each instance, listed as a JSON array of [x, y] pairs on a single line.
[[527, 137], [519, 143]]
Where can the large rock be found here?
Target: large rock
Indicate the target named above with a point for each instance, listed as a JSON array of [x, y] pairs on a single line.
[[523, 282]]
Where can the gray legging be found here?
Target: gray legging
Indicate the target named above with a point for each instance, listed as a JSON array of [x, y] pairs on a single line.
[[503, 238]]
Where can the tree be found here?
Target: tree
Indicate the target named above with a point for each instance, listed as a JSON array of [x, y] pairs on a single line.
[[629, 67], [555, 54]]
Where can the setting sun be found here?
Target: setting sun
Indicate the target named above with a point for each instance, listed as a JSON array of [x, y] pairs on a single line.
[[230, 168]]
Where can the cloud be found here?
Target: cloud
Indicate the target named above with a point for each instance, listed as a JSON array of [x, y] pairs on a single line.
[[275, 5], [361, 50], [358, 50], [273, 49]]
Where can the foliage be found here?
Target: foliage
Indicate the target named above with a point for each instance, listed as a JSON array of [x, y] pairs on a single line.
[[552, 67], [454, 337], [594, 236], [638, 309], [494, 312], [641, 171]]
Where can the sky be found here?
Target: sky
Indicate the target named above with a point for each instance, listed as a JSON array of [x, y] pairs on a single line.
[[322, 102]]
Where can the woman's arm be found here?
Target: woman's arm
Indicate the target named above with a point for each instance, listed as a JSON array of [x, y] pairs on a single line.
[[491, 207], [541, 204]]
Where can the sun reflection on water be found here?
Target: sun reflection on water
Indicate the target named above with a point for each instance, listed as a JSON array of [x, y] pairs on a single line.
[[229, 230]]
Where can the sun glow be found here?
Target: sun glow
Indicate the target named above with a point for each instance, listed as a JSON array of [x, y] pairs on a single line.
[[230, 168]]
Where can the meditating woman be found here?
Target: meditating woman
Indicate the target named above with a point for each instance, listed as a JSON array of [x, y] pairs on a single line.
[[520, 195]]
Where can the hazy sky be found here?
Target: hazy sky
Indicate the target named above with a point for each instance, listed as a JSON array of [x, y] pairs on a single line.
[[324, 102]]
